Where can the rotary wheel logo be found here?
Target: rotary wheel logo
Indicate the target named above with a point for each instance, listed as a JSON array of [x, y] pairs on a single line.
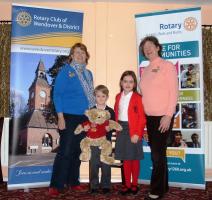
[[24, 19], [190, 23]]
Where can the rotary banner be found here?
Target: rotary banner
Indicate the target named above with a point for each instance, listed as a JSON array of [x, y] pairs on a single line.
[[179, 32], [40, 37]]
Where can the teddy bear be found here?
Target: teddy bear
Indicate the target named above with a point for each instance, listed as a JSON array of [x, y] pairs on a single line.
[[96, 128]]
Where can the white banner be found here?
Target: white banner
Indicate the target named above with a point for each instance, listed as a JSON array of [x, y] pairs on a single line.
[[179, 32]]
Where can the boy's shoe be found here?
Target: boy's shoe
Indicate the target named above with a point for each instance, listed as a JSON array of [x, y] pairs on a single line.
[[106, 190], [53, 191], [125, 190], [93, 191], [134, 189]]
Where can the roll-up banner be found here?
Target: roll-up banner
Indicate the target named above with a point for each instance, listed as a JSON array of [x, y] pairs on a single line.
[[39, 37], [5, 148], [179, 32]]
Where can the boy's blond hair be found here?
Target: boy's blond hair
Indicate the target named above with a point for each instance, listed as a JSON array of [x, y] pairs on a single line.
[[101, 88]]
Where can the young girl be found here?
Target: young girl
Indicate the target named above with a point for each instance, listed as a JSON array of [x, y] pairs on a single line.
[[130, 114]]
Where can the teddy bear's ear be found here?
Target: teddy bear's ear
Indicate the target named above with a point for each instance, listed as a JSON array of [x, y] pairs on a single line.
[[107, 114], [87, 113]]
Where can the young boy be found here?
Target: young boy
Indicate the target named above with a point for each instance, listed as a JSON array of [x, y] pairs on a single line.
[[101, 93]]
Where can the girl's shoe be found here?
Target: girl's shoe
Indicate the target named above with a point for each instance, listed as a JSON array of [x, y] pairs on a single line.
[[53, 191], [134, 189], [125, 190]]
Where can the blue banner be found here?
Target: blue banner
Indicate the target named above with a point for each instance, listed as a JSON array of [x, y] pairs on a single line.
[[40, 36]]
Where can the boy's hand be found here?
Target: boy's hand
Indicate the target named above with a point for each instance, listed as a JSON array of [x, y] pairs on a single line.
[[107, 128], [134, 139], [86, 128]]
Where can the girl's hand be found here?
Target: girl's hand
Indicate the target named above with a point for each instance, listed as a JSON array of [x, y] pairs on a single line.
[[134, 139], [165, 123], [61, 121], [146, 138]]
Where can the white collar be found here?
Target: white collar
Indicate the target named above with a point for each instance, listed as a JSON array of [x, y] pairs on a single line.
[[127, 95], [101, 108]]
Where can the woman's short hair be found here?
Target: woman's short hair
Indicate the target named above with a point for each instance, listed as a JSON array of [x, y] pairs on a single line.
[[82, 47], [152, 39]]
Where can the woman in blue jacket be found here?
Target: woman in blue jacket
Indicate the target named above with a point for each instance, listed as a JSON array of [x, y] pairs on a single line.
[[73, 94]]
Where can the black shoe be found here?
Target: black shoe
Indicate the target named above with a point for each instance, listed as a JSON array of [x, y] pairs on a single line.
[[134, 190], [105, 190], [125, 191], [93, 191]]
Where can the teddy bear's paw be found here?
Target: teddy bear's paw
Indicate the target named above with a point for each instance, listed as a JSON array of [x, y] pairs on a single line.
[[119, 128], [84, 157], [107, 159], [115, 125]]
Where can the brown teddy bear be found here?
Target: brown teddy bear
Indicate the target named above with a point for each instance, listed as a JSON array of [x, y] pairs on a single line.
[[96, 128]]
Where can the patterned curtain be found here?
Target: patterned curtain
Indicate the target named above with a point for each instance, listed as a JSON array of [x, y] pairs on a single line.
[[5, 40], [207, 73]]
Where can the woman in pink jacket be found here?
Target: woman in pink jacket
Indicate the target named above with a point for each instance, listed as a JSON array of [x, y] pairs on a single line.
[[159, 89]]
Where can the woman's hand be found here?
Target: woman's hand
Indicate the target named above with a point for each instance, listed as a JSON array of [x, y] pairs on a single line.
[[165, 123], [134, 139], [61, 121]]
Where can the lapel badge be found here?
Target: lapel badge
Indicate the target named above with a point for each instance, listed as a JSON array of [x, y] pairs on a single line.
[[156, 69], [71, 74]]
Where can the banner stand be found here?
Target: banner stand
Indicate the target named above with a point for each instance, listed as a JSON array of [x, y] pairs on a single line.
[[180, 33]]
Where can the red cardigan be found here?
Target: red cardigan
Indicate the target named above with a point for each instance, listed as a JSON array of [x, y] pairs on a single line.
[[136, 116]]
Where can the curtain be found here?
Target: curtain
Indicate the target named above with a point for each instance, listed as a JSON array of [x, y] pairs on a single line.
[[207, 71], [5, 41]]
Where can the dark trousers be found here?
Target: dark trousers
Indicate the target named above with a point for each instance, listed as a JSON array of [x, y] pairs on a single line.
[[66, 165], [95, 164], [158, 146]]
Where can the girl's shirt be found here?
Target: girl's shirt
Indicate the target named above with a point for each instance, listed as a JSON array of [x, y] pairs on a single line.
[[159, 88], [123, 106]]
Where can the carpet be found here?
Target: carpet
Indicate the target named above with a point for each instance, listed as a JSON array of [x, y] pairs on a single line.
[[42, 194]]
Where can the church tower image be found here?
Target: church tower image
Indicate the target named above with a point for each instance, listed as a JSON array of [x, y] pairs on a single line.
[[37, 135], [39, 91]]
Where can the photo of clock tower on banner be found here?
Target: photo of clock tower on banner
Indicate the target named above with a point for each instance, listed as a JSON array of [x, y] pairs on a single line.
[[41, 41], [180, 33]]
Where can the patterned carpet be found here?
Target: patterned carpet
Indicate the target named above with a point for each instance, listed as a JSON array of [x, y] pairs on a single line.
[[42, 194]]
